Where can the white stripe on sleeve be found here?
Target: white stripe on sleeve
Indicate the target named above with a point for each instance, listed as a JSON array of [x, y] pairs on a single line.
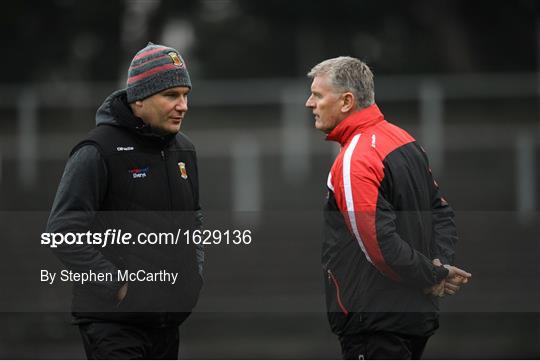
[[348, 192]]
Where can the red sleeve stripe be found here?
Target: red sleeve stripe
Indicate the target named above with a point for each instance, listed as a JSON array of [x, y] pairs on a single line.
[[348, 193]]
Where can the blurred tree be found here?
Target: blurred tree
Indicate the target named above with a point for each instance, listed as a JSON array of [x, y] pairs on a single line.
[[285, 38], [60, 39], [83, 40]]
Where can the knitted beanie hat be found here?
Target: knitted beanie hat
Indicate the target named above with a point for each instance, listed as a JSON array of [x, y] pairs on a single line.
[[153, 69]]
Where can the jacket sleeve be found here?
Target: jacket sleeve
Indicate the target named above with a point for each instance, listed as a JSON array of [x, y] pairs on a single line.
[[444, 228], [372, 220], [199, 250], [78, 198]]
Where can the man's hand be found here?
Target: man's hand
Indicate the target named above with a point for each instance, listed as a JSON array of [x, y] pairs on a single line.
[[122, 292], [437, 290], [456, 277]]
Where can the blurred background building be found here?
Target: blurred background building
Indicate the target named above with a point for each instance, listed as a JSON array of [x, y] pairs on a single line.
[[460, 76]]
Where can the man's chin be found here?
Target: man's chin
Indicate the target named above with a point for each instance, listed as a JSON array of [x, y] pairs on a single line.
[[167, 131], [321, 128], [174, 128]]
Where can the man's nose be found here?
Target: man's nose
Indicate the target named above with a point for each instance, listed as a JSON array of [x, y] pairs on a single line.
[[182, 105], [309, 102]]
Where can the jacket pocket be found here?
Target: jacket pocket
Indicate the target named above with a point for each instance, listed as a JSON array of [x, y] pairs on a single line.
[[141, 296], [332, 280]]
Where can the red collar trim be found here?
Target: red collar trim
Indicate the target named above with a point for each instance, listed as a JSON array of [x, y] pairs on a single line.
[[356, 123]]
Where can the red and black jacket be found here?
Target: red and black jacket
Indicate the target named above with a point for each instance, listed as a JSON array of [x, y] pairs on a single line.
[[385, 221]]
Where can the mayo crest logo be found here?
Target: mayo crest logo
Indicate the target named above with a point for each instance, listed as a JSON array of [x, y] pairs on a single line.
[[176, 59], [182, 169], [139, 172]]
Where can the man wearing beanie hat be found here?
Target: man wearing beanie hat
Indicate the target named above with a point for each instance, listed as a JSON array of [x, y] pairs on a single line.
[[136, 173]]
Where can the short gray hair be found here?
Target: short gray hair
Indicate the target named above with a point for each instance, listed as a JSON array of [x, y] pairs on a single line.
[[348, 74]]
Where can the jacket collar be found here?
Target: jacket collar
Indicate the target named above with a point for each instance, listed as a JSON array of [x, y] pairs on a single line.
[[355, 123]]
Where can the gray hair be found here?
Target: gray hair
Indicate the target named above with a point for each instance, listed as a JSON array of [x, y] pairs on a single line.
[[347, 74]]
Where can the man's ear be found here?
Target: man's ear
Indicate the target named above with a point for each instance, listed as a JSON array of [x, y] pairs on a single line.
[[349, 102], [136, 106]]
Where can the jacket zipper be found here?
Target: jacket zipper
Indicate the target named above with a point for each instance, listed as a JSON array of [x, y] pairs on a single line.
[[338, 293], [168, 180], [165, 315]]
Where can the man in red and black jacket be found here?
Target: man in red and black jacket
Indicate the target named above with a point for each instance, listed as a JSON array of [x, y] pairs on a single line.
[[389, 234]]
